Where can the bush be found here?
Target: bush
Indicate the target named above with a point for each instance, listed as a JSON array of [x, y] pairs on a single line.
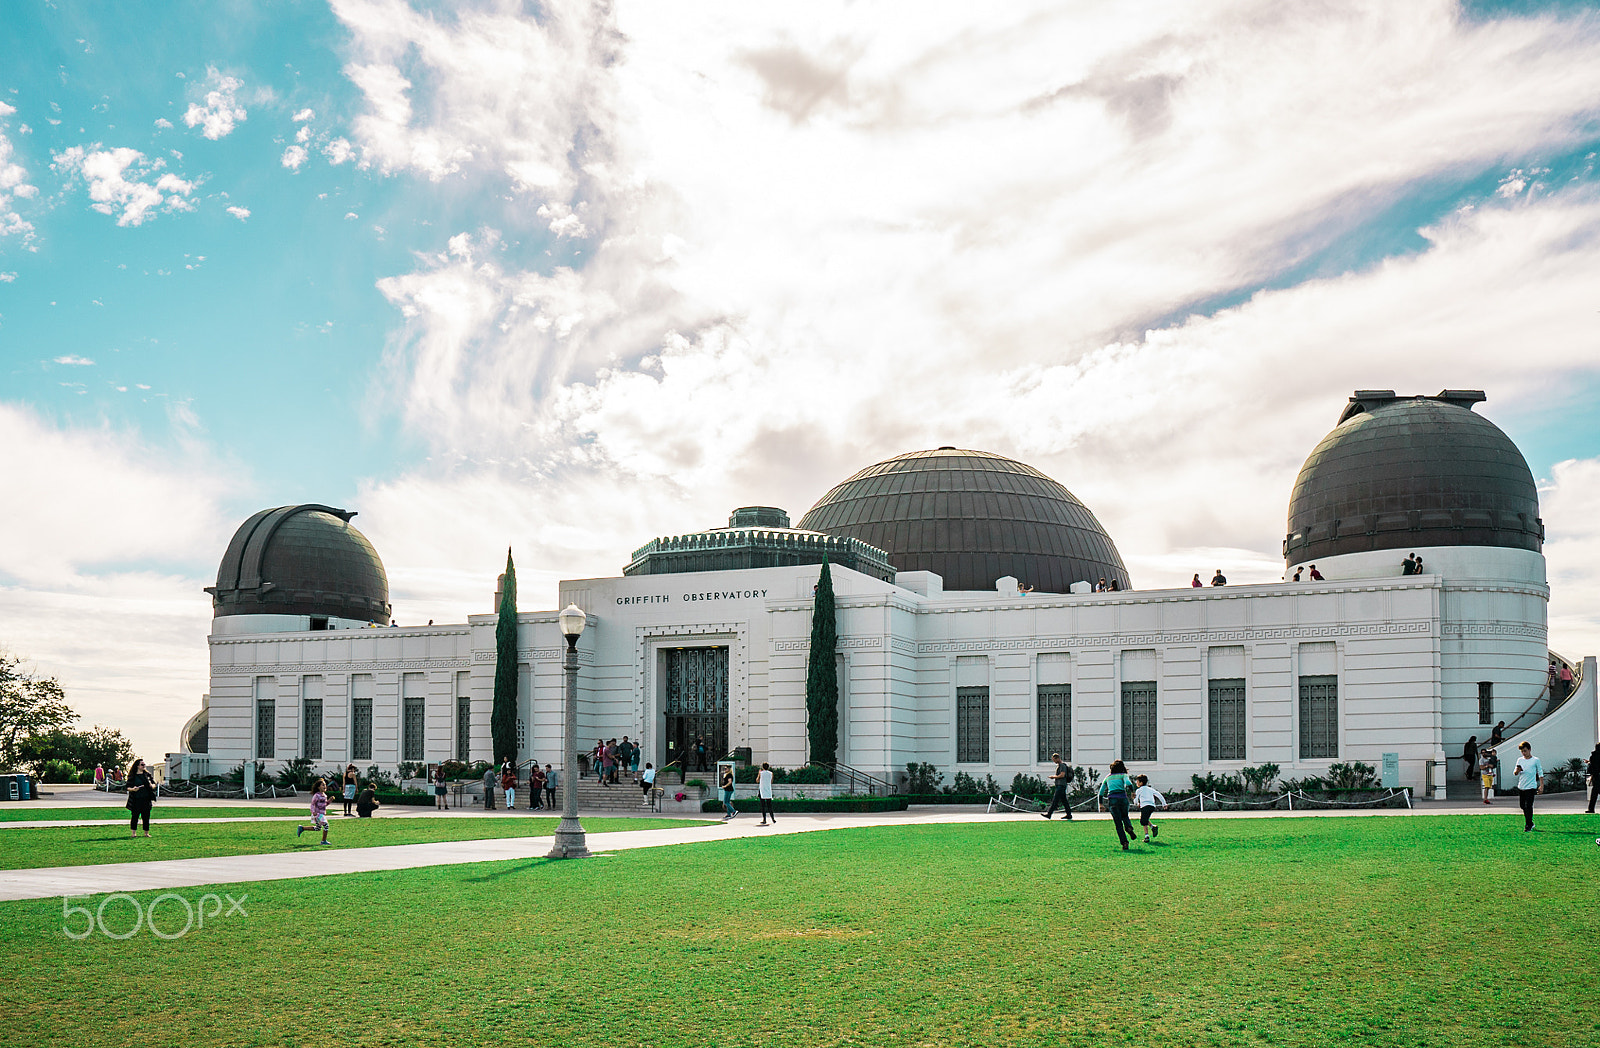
[[922, 778], [380, 780], [59, 771], [811, 773], [413, 798], [820, 804], [965, 783], [1261, 778], [1030, 786], [296, 774], [1213, 783], [413, 769], [947, 798], [1353, 776], [86, 776]]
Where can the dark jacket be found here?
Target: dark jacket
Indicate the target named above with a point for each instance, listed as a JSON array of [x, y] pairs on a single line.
[[1594, 763]]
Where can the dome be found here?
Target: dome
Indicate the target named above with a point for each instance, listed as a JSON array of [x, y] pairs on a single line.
[[1402, 472], [301, 560], [971, 517]]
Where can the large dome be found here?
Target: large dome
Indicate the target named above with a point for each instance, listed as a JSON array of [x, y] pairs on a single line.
[[301, 560], [1402, 472], [971, 517]]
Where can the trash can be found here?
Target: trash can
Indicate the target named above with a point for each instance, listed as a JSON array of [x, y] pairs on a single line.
[[9, 790]]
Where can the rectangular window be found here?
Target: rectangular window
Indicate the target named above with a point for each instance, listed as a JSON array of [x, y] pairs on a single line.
[[1319, 717], [1486, 702], [1139, 720], [414, 729], [1055, 721], [972, 725], [311, 717], [361, 717], [463, 728], [1225, 719], [266, 728]]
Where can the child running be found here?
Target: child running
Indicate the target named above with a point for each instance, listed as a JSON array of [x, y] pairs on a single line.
[[1147, 797], [1114, 788], [319, 811]]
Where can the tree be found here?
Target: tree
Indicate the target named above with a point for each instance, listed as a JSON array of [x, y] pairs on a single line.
[[29, 705], [822, 677], [503, 719], [82, 749]]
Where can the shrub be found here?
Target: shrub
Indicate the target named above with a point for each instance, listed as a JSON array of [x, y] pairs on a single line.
[[381, 781], [946, 798], [818, 804], [1352, 776], [1260, 779], [59, 771], [1030, 786], [701, 783], [413, 769], [811, 773], [922, 778], [1213, 783], [965, 784], [86, 776], [295, 774]]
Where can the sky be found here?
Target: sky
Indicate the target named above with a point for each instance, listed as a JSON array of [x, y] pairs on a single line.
[[565, 277]]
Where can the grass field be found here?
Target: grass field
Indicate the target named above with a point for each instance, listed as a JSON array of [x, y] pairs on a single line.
[[1421, 931], [35, 847], [162, 812]]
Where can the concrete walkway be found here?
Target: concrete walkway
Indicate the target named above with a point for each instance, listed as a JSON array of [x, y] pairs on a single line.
[[321, 862]]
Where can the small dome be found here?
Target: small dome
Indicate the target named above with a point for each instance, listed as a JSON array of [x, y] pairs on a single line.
[[971, 517], [1402, 472], [301, 560]]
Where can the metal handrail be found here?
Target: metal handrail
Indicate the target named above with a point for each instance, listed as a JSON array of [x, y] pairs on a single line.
[[1512, 728], [855, 775]]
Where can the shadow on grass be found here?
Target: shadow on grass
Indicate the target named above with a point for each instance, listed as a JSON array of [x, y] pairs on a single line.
[[501, 874]]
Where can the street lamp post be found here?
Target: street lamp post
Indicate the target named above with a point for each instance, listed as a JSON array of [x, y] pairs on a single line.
[[571, 841]]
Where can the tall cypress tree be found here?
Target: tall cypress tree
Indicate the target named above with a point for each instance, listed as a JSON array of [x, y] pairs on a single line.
[[822, 678], [503, 720]]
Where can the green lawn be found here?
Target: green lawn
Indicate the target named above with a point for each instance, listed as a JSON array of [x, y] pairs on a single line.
[[22, 849], [161, 812], [1454, 932]]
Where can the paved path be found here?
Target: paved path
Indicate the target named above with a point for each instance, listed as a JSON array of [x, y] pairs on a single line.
[[234, 869]]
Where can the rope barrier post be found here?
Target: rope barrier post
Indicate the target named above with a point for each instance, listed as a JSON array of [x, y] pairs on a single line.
[[1290, 795]]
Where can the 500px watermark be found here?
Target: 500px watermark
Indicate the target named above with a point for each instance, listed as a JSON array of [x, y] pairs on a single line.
[[194, 915]]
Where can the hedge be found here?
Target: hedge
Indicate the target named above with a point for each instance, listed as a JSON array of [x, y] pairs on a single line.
[[390, 799], [819, 805], [948, 798]]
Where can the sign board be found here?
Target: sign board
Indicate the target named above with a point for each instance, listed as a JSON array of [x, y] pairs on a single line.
[[249, 778], [1391, 771]]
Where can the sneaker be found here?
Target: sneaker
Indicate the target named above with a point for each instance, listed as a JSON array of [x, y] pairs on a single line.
[[1045, 814], [298, 830], [1155, 831], [763, 823], [1124, 845], [1147, 838], [735, 814]]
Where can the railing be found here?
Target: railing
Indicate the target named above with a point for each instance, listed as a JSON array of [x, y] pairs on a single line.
[[1514, 726], [857, 780]]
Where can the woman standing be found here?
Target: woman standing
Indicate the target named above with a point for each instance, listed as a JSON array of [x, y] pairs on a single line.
[[1593, 771], [349, 787], [439, 799], [1469, 754], [726, 783], [1115, 790], [141, 795]]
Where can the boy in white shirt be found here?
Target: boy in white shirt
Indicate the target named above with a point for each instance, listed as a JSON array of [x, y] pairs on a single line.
[[764, 788], [1530, 780], [1147, 797]]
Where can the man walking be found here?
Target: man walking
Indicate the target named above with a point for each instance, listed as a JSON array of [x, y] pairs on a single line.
[[489, 778], [764, 788], [1530, 781], [551, 781], [1058, 799]]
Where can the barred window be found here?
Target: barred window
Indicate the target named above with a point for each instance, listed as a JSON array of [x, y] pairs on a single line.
[[412, 732], [361, 729], [266, 728], [311, 741], [972, 725], [1319, 717], [1226, 719], [1139, 720], [1486, 702], [1055, 721], [463, 728]]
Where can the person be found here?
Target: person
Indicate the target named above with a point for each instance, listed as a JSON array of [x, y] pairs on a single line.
[[635, 754], [550, 784], [1058, 795], [764, 791], [727, 793], [1530, 781], [141, 797], [1114, 788], [1297, 572], [1408, 566], [100, 777], [1498, 736], [349, 790], [1416, 565], [1316, 576], [319, 811], [1116, 585], [1100, 587], [367, 802], [1147, 797], [488, 788], [597, 758], [1219, 579], [647, 782], [1196, 583], [1469, 756], [536, 788], [1566, 682], [625, 754], [440, 800], [700, 751], [1488, 765], [1593, 772], [508, 783], [1552, 682]]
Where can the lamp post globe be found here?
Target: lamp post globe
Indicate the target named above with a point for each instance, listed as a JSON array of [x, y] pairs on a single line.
[[571, 841]]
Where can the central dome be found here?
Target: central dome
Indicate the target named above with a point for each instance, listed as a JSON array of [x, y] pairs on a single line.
[[301, 560], [971, 517]]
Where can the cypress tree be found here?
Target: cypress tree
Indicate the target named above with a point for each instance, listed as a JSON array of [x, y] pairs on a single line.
[[503, 719], [822, 678]]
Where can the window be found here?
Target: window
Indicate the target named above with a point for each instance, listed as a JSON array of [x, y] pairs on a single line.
[[1319, 717], [1055, 721], [1486, 702], [972, 725], [266, 727], [463, 728], [1139, 720], [522, 739], [1226, 719], [413, 729], [311, 717], [361, 716]]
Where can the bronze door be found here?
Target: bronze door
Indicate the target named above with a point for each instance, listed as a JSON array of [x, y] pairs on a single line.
[[697, 706]]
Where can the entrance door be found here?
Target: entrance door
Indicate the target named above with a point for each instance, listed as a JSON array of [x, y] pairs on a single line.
[[697, 706]]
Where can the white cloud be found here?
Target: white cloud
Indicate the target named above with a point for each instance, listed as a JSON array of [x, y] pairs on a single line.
[[304, 115], [303, 135], [8, 277], [564, 221], [74, 361], [293, 157], [220, 110], [350, 216], [1570, 506], [338, 151], [117, 182], [13, 184], [241, 213], [163, 123]]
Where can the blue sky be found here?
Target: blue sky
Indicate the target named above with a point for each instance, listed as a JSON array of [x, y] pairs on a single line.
[[565, 278]]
